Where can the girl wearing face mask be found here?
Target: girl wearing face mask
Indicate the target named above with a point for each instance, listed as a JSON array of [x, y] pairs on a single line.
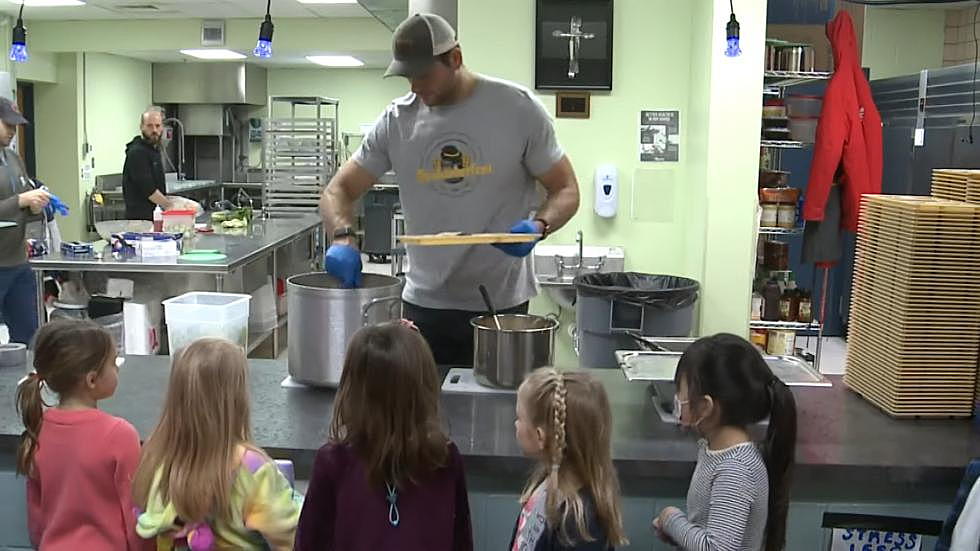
[[739, 493]]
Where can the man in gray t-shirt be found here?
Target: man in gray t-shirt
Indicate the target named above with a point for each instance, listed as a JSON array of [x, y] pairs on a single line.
[[467, 151]]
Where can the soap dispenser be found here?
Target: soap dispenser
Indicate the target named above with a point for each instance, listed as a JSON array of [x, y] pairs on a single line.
[[606, 190]]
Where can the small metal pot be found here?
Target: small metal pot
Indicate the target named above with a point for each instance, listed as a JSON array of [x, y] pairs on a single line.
[[502, 358]]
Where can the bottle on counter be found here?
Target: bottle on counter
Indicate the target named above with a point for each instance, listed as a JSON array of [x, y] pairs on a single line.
[[158, 219], [770, 301], [806, 308]]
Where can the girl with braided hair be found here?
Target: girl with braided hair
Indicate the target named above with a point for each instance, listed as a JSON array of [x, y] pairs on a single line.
[[571, 501]]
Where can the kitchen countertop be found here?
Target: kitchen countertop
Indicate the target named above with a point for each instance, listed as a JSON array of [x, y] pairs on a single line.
[[842, 438], [261, 236], [176, 187]]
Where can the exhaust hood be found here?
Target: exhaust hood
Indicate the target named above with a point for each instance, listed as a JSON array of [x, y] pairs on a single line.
[[223, 83]]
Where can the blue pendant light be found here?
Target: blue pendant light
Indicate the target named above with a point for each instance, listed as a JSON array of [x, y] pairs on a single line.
[[263, 48], [18, 45], [731, 32]]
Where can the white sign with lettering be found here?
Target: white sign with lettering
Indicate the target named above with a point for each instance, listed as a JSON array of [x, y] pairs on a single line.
[[852, 539]]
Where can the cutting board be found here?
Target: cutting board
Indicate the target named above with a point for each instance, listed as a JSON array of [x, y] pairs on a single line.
[[459, 238]]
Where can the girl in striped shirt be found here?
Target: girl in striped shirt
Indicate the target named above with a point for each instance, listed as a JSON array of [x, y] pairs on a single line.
[[739, 493]]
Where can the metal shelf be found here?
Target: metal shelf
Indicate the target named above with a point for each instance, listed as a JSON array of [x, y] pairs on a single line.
[[784, 144], [789, 325], [782, 79], [780, 231]]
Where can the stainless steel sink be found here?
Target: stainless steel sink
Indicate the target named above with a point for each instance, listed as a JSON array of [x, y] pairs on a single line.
[[556, 266]]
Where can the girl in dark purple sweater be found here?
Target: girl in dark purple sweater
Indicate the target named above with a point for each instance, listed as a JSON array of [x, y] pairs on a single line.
[[388, 477]]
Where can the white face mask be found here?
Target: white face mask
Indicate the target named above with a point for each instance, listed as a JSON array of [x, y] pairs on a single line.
[[678, 405]]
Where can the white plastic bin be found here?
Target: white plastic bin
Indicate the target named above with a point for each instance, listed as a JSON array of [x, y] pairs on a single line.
[[202, 314]]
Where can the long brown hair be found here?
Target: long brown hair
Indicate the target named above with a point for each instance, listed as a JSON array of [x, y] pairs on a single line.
[[65, 351], [730, 370], [573, 411], [387, 406], [192, 452]]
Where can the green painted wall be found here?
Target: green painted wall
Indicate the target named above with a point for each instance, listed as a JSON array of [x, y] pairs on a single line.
[[117, 90], [902, 41], [42, 67], [58, 127], [695, 217], [308, 35]]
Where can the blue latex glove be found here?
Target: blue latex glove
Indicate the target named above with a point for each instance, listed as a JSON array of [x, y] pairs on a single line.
[[520, 250], [55, 204], [344, 263]]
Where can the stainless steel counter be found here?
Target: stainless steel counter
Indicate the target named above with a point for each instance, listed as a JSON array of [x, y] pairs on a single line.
[[261, 237], [275, 248], [176, 187]]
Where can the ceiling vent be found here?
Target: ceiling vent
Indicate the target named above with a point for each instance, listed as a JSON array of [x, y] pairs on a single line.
[[213, 33]]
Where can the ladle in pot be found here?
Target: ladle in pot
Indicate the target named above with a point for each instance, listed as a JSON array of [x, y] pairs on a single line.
[[490, 308]]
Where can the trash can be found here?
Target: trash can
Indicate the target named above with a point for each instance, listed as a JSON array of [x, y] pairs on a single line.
[[610, 306]]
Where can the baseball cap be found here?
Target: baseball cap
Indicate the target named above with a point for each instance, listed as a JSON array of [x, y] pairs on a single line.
[[416, 43], [10, 114]]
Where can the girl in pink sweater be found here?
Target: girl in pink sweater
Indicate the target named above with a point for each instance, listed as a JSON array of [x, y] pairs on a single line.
[[79, 461]]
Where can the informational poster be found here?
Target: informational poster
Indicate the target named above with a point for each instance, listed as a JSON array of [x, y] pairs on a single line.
[[660, 136], [852, 539]]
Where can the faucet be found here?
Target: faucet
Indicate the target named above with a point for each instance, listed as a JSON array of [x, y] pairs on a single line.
[[580, 266], [180, 147]]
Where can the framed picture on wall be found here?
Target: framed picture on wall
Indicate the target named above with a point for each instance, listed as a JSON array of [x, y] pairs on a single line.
[[573, 45]]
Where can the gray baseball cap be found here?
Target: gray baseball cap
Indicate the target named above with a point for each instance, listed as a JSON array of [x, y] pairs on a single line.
[[417, 42], [10, 114]]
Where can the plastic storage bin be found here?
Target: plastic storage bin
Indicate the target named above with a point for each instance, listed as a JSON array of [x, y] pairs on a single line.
[[803, 129], [179, 221], [202, 314], [800, 105]]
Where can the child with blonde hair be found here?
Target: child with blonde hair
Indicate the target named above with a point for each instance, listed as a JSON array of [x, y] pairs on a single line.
[[202, 482], [79, 461], [388, 478], [571, 502]]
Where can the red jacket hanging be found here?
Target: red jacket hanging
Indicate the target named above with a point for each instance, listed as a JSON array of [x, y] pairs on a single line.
[[848, 133]]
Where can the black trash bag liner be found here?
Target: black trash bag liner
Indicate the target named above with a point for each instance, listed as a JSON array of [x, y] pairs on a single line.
[[659, 291]]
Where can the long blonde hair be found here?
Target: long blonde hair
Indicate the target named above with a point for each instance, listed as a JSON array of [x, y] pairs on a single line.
[[193, 450], [572, 410]]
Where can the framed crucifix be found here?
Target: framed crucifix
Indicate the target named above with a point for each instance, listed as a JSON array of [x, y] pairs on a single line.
[[573, 45]]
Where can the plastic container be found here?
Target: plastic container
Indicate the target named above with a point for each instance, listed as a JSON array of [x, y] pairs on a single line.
[[803, 129], [179, 221], [802, 105], [203, 314]]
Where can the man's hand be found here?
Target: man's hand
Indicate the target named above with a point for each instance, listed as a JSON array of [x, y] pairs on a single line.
[[520, 250], [35, 200], [343, 262]]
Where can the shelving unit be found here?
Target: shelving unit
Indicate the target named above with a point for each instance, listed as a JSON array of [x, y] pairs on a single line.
[[776, 83], [301, 153], [780, 231]]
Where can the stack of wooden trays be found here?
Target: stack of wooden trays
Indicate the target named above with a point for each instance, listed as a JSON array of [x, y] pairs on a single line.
[[915, 310], [956, 184]]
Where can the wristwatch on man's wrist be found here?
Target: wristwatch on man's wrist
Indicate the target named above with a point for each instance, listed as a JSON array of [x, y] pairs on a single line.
[[545, 227]]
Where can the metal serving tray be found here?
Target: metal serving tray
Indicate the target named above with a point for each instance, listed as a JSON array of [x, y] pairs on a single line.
[[660, 366]]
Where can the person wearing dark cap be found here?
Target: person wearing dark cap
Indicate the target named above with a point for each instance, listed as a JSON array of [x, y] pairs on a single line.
[[20, 203], [144, 182], [467, 150]]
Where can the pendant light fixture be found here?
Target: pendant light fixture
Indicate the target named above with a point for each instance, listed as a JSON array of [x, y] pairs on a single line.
[[263, 48], [18, 44], [731, 32]]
